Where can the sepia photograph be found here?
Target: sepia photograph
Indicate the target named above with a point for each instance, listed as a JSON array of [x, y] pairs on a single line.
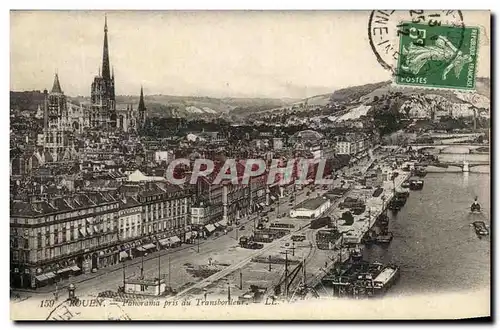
[[250, 165]]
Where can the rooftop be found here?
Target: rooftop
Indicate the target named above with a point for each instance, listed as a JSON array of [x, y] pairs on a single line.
[[60, 205], [311, 204]]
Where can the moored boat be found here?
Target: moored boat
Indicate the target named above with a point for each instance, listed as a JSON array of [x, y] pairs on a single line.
[[384, 238], [394, 206], [402, 194], [383, 219], [416, 184], [385, 279], [420, 172]]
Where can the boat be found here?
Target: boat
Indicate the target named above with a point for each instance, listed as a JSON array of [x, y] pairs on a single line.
[[402, 194], [416, 184], [475, 206], [383, 219], [405, 184], [384, 238], [385, 279], [481, 229], [420, 172], [394, 206], [361, 279]]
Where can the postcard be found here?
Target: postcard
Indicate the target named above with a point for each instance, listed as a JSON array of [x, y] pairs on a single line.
[[250, 165]]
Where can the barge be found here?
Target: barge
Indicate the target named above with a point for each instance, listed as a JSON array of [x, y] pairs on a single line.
[[362, 279]]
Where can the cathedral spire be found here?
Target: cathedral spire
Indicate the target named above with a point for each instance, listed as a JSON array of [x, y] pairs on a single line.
[[142, 106], [142, 110], [56, 87], [105, 52]]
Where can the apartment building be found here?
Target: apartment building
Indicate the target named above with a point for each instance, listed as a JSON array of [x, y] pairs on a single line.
[[62, 236]]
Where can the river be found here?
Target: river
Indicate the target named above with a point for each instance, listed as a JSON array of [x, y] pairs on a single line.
[[434, 244]]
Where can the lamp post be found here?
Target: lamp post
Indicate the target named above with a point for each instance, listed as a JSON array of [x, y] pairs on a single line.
[[142, 267], [228, 291], [71, 291]]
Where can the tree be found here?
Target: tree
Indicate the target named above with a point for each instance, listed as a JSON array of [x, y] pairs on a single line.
[[348, 217]]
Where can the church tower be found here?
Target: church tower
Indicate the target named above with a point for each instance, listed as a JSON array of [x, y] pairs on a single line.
[[142, 110], [103, 108], [56, 137]]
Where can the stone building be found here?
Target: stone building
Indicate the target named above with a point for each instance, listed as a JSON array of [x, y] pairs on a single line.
[[62, 237]]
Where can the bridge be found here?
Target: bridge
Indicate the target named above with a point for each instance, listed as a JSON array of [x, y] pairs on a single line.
[[464, 165], [465, 148]]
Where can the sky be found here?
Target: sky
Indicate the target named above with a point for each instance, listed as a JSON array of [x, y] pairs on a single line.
[[220, 54]]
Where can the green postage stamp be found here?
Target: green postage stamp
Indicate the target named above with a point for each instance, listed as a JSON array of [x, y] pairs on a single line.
[[437, 56]]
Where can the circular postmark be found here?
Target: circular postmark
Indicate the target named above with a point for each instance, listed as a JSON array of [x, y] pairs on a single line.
[[392, 33]]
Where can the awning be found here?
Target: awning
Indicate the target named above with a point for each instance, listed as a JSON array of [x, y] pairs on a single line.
[[89, 231], [95, 229], [123, 255], [210, 227], [148, 246], [41, 278], [188, 235], [50, 275], [75, 268], [165, 241], [64, 270], [81, 232], [175, 239], [273, 198]]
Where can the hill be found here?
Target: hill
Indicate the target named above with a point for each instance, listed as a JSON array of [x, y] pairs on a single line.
[[346, 99], [196, 106], [350, 94], [26, 100]]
